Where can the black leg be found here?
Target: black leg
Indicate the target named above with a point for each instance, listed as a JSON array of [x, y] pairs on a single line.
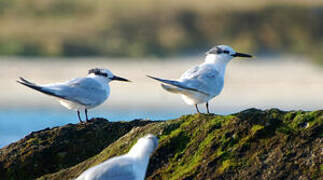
[[207, 107], [87, 119], [78, 115], [197, 109]]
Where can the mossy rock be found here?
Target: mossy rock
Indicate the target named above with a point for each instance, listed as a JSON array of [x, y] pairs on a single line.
[[248, 145], [49, 150], [252, 144]]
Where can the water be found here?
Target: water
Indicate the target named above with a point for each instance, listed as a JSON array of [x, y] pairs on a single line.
[[17, 123], [287, 83]]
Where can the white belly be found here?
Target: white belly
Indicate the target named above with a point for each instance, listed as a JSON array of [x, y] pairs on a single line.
[[72, 105], [196, 98]]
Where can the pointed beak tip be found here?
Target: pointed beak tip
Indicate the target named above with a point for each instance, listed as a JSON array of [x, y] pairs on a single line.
[[125, 80], [117, 78], [242, 55]]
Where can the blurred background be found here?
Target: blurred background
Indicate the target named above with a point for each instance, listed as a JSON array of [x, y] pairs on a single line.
[[57, 40]]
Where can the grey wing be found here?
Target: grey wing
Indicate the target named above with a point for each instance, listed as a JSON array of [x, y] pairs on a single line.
[[190, 73], [205, 78], [177, 84], [85, 91], [111, 171]]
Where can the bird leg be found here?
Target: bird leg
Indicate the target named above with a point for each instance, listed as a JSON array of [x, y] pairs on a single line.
[[79, 116], [197, 109], [87, 119], [207, 107]]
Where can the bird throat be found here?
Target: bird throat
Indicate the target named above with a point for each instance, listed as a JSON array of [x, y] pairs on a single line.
[[219, 62]]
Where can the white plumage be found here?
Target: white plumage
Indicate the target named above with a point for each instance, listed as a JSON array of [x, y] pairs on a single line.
[[130, 166], [203, 82], [80, 93]]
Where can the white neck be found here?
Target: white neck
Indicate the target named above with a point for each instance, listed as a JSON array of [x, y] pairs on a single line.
[[220, 62], [141, 150]]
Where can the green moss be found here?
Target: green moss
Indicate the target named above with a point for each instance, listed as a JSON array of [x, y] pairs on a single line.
[[225, 165], [274, 114], [255, 129], [289, 116], [285, 130], [202, 146]]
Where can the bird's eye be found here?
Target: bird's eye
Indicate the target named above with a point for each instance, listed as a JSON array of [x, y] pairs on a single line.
[[99, 73], [226, 51]]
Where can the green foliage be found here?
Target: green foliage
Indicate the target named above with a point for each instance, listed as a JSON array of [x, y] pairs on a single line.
[[157, 28]]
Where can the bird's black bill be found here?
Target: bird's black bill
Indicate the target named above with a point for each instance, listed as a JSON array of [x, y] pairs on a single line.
[[241, 55], [117, 78]]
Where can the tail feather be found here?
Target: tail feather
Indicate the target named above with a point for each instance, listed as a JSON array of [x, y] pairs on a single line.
[[25, 81], [177, 90], [38, 88], [171, 89], [176, 84]]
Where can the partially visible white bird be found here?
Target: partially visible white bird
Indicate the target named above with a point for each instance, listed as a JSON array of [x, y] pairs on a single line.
[[202, 83], [130, 166], [80, 93]]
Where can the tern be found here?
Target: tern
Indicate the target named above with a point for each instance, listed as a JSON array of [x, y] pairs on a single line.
[[130, 166], [80, 93], [203, 82]]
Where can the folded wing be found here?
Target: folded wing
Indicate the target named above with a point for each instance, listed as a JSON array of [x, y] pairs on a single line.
[[179, 86], [205, 78], [84, 91]]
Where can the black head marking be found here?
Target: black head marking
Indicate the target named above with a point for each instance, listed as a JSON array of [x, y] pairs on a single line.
[[226, 52], [217, 50], [98, 72]]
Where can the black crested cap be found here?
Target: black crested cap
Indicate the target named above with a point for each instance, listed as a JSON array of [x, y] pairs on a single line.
[[94, 70], [98, 71], [214, 50], [217, 50]]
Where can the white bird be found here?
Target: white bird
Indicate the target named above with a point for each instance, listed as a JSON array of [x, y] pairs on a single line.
[[130, 166], [205, 81], [80, 93]]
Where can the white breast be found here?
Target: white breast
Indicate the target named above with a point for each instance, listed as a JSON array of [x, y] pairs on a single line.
[[71, 105]]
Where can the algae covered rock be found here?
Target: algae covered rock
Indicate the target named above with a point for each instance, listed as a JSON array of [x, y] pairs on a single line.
[[252, 144], [50, 150]]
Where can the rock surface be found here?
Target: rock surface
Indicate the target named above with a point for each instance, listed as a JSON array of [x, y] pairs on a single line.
[[252, 144], [50, 150]]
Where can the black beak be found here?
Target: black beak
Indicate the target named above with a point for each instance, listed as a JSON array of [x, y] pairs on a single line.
[[241, 55], [117, 78]]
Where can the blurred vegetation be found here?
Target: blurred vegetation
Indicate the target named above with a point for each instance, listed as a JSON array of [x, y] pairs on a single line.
[[158, 27]]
